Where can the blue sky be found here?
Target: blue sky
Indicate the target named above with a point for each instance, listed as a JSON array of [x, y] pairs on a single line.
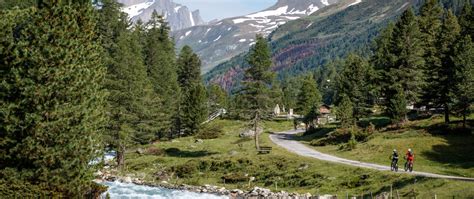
[[219, 9]]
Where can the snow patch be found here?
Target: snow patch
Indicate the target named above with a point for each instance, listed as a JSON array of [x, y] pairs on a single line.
[[200, 41], [325, 2], [187, 33], [251, 44], [312, 9], [242, 40], [309, 25], [228, 29], [191, 18], [209, 29], [135, 10], [176, 9], [218, 38], [279, 11], [355, 2]]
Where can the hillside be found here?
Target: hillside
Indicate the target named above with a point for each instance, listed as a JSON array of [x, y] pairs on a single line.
[[309, 42], [221, 40]]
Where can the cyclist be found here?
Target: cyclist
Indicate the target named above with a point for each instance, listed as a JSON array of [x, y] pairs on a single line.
[[410, 157], [394, 158]]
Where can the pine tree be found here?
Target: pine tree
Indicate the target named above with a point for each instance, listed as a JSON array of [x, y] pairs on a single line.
[[162, 71], [217, 98], [464, 76], [255, 93], [466, 20], [344, 112], [445, 73], [356, 82], [308, 97], [396, 105], [192, 109], [430, 23], [51, 100], [382, 59], [405, 74], [129, 90], [291, 87]]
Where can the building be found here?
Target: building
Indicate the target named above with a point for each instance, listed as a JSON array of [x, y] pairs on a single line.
[[325, 115]]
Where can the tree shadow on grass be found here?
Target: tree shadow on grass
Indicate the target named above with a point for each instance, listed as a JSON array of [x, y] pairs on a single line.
[[458, 151], [313, 134], [402, 184], [175, 152]]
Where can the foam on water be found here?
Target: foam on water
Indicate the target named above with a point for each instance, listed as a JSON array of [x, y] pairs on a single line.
[[126, 190]]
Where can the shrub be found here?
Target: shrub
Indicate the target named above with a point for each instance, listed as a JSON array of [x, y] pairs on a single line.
[[185, 170], [210, 132], [234, 178], [344, 135], [153, 150]]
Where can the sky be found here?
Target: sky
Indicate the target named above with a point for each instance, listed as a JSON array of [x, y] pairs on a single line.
[[220, 9]]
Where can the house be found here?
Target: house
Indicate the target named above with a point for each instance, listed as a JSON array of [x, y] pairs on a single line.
[[325, 115]]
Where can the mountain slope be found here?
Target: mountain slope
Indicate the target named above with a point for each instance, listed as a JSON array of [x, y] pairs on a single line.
[[221, 40], [307, 43], [178, 16]]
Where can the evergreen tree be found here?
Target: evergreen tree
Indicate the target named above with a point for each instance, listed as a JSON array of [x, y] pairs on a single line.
[[192, 109], [129, 90], [396, 105], [256, 86], [162, 71], [404, 74], [463, 59], [217, 98], [430, 23], [344, 112], [291, 87], [51, 100], [444, 80], [308, 97], [382, 59], [466, 20], [356, 82]]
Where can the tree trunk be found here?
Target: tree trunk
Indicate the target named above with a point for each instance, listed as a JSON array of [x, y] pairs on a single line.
[[446, 113], [121, 156], [257, 145]]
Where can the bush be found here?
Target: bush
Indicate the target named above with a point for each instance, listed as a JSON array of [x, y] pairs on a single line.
[[153, 150], [210, 132], [234, 178], [344, 135], [186, 170]]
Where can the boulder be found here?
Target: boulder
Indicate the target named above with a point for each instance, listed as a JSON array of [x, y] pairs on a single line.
[[140, 151], [250, 132]]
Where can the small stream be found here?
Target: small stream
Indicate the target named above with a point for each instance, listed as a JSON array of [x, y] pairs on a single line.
[[132, 191]]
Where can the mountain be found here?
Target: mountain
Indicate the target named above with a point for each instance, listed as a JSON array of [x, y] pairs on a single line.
[[178, 16], [307, 43], [221, 40]]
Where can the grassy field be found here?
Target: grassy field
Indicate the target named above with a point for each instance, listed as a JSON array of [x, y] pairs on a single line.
[[229, 161], [437, 152]]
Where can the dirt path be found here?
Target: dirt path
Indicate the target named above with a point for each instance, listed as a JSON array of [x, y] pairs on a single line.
[[285, 140]]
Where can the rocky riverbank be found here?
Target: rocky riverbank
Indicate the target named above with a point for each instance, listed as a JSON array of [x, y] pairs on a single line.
[[256, 192]]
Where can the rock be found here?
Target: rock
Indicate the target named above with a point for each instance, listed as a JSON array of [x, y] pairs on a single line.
[[233, 152], [198, 141], [303, 167], [250, 132], [164, 182], [140, 151], [98, 173], [127, 179]]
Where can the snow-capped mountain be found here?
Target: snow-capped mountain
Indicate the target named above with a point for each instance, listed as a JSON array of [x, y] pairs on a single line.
[[221, 40], [178, 16]]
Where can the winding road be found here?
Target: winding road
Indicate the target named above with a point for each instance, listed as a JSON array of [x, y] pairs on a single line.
[[285, 139]]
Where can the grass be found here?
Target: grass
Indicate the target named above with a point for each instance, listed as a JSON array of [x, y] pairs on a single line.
[[234, 159], [441, 153]]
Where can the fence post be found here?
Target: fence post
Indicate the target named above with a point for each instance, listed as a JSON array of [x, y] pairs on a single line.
[[398, 195], [391, 191]]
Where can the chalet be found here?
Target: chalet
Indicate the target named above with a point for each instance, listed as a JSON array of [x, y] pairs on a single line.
[[325, 115]]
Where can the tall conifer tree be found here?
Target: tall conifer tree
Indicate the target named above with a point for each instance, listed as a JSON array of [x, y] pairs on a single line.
[[51, 100], [445, 80], [464, 75], [192, 108], [257, 84]]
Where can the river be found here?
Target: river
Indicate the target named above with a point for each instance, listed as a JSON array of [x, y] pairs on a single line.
[[128, 191]]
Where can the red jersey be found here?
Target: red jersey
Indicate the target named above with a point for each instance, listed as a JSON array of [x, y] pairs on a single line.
[[410, 156]]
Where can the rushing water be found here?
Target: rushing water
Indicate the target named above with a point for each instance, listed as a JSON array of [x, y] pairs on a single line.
[[129, 191]]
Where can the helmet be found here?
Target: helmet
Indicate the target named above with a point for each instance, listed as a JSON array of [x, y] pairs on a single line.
[[394, 150], [409, 150]]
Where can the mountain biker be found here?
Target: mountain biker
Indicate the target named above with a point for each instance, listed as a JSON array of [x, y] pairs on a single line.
[[409, 156], [394, 158]]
